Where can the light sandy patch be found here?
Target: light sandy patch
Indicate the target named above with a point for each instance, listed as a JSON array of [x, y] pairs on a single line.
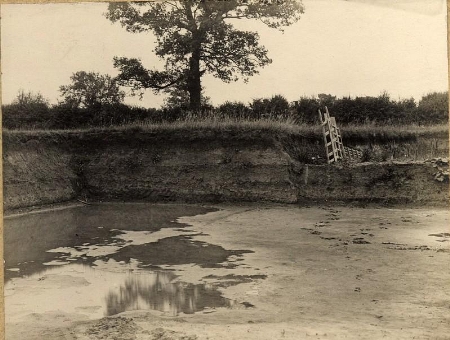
[[55, 263], [89, 251], [137, 238]]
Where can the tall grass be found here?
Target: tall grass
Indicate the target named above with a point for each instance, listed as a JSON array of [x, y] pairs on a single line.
[[376, 132], [190, 123], [212, 126]]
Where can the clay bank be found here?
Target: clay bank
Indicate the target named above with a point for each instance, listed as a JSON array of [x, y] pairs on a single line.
[[202, 165]]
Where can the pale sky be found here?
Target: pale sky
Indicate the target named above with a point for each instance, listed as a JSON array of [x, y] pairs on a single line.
[[338, 47]]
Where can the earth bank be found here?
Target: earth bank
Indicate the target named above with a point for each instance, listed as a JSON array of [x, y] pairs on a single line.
[[214, 166]]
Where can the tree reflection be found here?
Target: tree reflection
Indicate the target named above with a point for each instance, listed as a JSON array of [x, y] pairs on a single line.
[[157, 292]]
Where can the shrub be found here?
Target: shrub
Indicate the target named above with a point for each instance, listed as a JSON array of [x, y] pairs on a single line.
[[66, 117], [433, 108], [358, 110], [277, 106], [236, 110], [26, 110]]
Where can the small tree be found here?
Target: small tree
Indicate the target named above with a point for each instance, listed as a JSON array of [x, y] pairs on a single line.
[[91, 90], [306, 110], [275, 106], [234, 110], [433, 108], [27, 110], [25, 99], [326, 99]]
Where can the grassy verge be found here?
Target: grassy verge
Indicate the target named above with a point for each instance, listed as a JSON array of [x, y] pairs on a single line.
[[365, 132], [302, 142], [386, 133]]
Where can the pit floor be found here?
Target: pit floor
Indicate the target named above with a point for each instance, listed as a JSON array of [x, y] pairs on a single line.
[[228, 272]]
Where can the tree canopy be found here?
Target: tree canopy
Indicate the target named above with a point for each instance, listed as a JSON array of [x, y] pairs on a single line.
[[195, 37], [25, 99], [433, 107], [90, 89]]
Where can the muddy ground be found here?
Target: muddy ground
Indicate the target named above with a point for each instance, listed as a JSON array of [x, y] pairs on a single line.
[[287, 272]]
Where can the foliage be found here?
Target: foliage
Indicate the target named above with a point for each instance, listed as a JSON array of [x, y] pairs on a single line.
[[364, 115], [27, 109], [194, 37], [433, 107], [179, 98], [91, 90], [66, 117], [30, 99], [277, 106], [234, 110]]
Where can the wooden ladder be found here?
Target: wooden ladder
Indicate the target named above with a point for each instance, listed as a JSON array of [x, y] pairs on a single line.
[[334, 148]]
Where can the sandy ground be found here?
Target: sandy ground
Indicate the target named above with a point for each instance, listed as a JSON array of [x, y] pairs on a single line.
[[331, 273]]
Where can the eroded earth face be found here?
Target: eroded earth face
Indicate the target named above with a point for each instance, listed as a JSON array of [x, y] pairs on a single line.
[[145, 271]]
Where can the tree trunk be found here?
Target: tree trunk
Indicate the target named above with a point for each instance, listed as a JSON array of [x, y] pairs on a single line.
[[194, 81], [194, 85]]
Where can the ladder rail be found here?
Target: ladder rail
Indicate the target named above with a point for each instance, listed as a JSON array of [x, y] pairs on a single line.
[[334, 147]]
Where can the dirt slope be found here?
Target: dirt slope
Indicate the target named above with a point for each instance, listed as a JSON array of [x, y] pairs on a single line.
[[203, 166]]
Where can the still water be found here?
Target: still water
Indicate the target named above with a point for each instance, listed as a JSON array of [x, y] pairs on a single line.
[[106, 259]]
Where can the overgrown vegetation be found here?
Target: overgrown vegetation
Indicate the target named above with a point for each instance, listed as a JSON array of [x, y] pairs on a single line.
[[431, 109], [31, 117], [32, 111], [355, 134]]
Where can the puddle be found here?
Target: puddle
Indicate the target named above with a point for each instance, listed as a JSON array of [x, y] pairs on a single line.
[[178, 250], [97, 293], [104, 260], [85, 233]]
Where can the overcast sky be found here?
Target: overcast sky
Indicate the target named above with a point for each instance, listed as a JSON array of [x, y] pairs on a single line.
[[339, 47]]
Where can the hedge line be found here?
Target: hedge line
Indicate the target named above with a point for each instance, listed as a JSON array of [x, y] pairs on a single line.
[[431, 109]]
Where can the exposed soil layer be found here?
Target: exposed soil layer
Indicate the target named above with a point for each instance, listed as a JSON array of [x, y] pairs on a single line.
[[392, 182], [37, 174], [201, 167]]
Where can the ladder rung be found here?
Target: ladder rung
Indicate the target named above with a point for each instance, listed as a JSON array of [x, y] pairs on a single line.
[[334, 147]]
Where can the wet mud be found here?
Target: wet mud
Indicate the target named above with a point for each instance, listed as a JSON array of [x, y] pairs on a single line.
[[107, 260], [235, 272], [83, 231]]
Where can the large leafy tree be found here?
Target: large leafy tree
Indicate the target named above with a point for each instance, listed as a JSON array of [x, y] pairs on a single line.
[[195, 37], [90, 90], [179, 98]]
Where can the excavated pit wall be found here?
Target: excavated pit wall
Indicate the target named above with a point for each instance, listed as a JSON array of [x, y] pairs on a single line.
[[195, 170], [200, 167], [37, 173], [388, 182]]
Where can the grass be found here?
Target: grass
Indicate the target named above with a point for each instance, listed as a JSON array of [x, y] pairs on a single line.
[[207, 128], [374, 133], [211, 127]]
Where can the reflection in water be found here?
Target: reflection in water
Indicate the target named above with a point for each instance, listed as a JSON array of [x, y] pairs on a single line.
[[74, 260], [155, 291], [95, 293]]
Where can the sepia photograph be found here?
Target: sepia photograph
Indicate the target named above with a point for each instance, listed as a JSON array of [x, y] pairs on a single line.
[[225, 169]]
